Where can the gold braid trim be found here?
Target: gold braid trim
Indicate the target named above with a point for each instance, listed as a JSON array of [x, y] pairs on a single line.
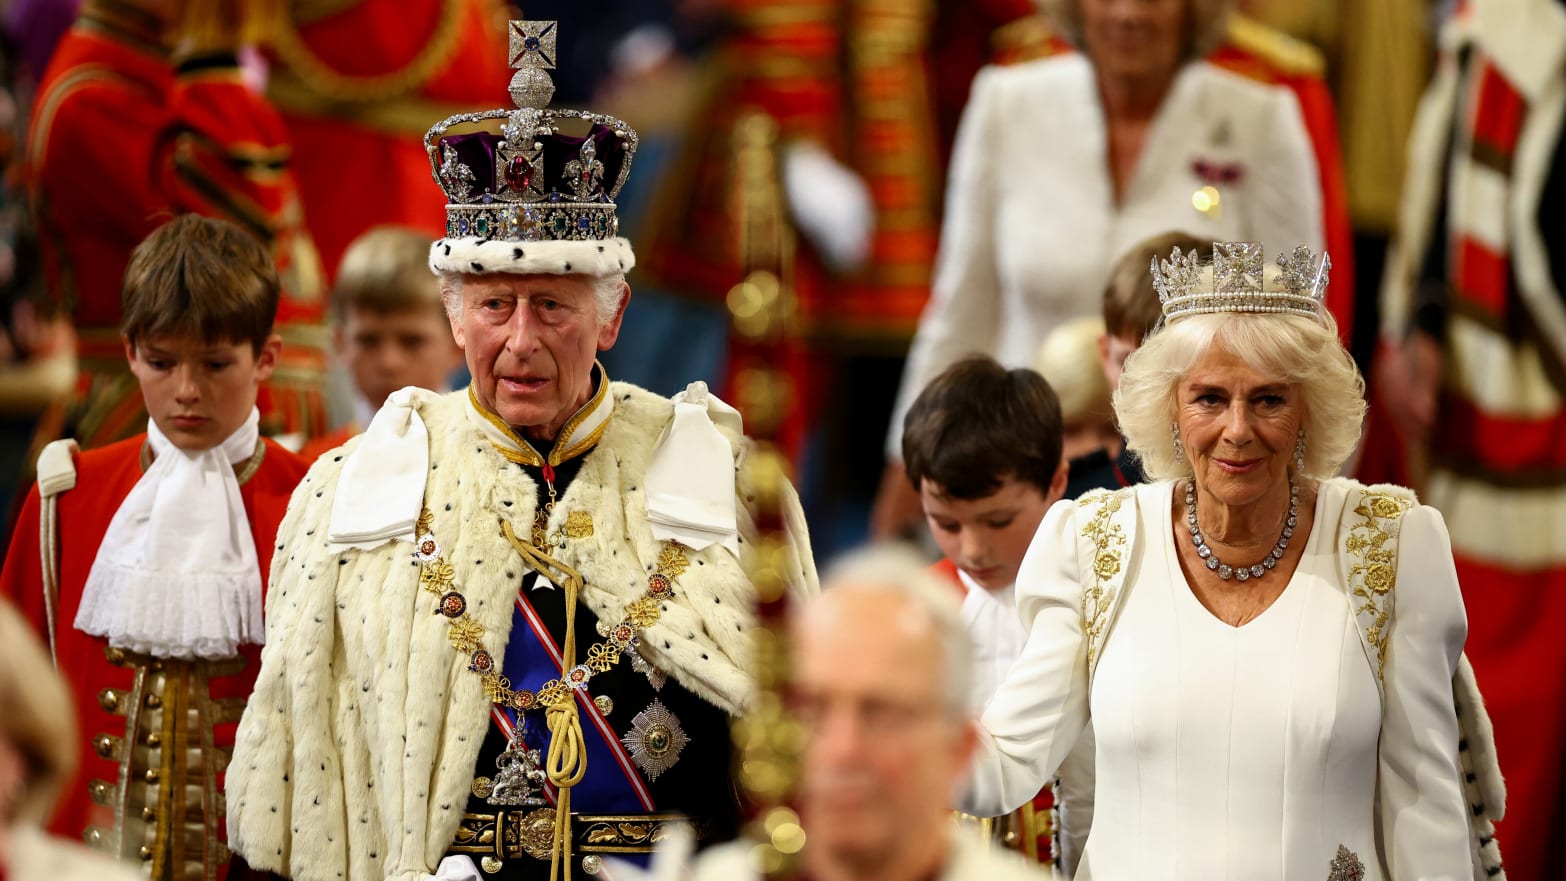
[[329, 82]]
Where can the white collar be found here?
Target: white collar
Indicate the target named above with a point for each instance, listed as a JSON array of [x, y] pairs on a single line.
[[579, 434], [177, 574]]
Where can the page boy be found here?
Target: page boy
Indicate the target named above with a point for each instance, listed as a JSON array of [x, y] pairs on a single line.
[[143, 562], [389, 327], [982, 447]]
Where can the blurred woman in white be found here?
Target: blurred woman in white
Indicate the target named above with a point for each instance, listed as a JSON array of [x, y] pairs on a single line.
[[1262, 710], [1065, 163], [37, 755]]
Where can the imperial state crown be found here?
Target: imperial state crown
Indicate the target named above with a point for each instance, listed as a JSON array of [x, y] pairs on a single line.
[[531, 198]]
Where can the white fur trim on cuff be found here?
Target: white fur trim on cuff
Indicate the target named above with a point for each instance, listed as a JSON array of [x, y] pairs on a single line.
[[479, 256]]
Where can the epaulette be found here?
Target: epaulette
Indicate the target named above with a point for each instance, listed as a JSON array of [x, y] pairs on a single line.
[[1288, 55], [1026, 39], [57, 468]]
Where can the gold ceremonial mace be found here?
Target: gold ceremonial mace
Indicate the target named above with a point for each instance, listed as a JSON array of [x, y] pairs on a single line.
[[761, 308]]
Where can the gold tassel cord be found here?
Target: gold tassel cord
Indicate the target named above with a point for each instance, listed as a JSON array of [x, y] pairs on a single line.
[[566, 762]]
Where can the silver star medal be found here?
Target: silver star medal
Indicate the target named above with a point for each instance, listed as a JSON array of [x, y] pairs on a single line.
[[655, 740]]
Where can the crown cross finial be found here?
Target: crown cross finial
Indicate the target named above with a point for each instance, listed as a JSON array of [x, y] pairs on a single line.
[[532, 54], [1237, 266]]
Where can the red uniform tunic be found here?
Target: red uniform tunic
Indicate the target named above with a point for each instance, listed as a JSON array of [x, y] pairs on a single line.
[[319, 447], [119, 142], [359, 86], [851, 78], [156, 733]]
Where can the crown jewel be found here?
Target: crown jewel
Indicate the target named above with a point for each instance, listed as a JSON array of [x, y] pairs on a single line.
[[1237, 284], [530, 182]]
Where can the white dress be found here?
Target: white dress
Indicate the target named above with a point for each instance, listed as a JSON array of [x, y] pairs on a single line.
[[1245, 753], [1032, 228]]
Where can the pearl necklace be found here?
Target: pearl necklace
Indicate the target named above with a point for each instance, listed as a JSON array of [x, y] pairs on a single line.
[[1224, 570]]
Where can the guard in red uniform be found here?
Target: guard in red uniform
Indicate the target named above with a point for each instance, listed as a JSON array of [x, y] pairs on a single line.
[[143, 562], [357, 83], [849, 161], [139, 117]]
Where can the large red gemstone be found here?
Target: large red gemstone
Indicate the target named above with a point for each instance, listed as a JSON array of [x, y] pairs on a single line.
[[519, 174]]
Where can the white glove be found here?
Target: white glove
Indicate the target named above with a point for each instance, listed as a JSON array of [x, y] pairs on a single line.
[[455, 867], [830, 204]]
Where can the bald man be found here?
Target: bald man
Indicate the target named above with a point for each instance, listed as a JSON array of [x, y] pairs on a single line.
[[881, 677]]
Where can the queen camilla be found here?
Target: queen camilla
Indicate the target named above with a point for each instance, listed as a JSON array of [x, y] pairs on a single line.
[[1269, 657]]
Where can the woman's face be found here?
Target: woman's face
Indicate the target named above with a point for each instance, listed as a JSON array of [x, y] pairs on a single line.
[[1239, 427], [1136, 39]]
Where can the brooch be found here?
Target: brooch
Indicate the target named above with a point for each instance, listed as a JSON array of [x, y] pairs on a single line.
[[1346, 866], [655, 740]]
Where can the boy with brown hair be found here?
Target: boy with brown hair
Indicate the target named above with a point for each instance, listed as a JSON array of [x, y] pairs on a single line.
[[982, 448], [1131, 312], [389, 327], [144, 562]]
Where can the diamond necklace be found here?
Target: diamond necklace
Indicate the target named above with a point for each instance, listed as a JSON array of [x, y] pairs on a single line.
[[1224, 570]]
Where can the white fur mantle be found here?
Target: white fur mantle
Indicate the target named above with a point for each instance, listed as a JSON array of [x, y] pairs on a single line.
[[480, 256], [356, 754]]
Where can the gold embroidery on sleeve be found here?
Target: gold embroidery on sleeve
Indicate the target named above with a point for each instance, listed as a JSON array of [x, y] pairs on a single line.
[[1107, 539], [1373, 574]]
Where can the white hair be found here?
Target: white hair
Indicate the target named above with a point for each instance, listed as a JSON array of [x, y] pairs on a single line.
[[1290, 348], [608, 293], [897, 569]]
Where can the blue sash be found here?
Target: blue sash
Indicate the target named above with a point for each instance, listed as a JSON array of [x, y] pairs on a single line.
[[612, 784]]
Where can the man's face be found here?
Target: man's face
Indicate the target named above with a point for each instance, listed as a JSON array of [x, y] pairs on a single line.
[[200, 392], [1113, 350], [884, 754], [530, 342], [385, 351], [987, 538]]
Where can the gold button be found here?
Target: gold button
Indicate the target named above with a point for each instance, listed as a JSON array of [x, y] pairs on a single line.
[[156, 666], [109, 699], [149, 815], [145, 852], [93, 836], [491, 865], [152, 775], [103, 745], [115, 656], [154, 701], [153, 739]]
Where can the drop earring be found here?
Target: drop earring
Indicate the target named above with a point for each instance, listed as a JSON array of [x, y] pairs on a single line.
[[1299, 452], [1179, 445]]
